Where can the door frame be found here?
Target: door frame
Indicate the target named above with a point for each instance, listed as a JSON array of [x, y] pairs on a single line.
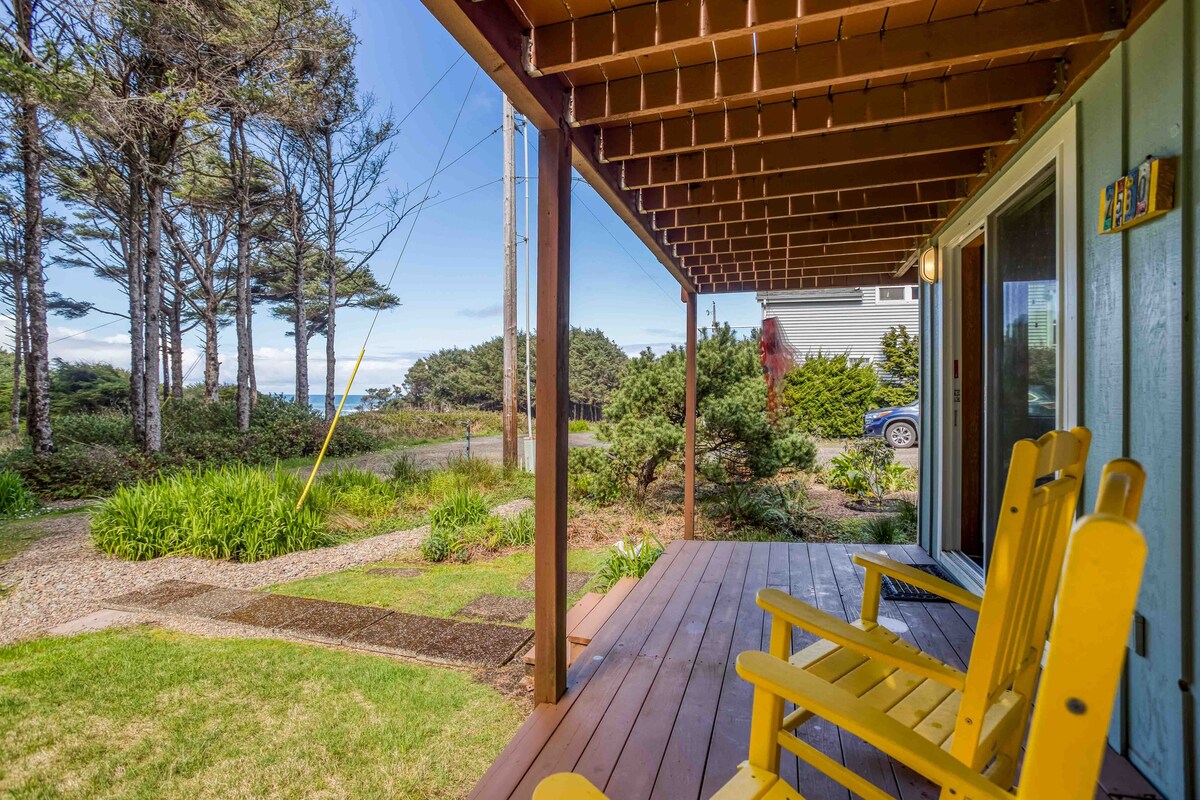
[[1056, 148]]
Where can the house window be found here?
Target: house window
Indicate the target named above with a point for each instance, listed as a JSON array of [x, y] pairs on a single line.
[[897, 294]]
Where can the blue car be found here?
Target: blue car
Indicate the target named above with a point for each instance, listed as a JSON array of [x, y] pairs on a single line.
[[896, 424]]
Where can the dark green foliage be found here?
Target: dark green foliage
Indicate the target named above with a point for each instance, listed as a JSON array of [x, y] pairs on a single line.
[[629, 560], [886, 530], [81, 388], [592, 475], [736, 440], [827, 395], [472, 377], [780, 509], [901, 368], [460, 508], [15, 497], [96, 452]]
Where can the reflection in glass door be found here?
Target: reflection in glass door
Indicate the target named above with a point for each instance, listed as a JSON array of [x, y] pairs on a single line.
[[1020, 334]]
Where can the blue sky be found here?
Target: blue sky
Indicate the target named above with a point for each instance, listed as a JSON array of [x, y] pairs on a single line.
[[449, 279]]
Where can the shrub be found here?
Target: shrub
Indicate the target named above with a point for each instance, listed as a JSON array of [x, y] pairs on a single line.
[[592, 474], [578, 426], [461, 508], [440, 545], [781, 509], [81, 387], [15, 498], [234, 512], [79, 470], [885, 530], [475, 471], [406, 471], [517, 531], [901, 368], [828, 395], [109, 428], [628, 560], [868, 471]]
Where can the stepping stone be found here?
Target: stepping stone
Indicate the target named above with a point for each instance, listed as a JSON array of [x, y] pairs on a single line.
[[496, 608], [401, 634], [397, 572], [269, 610], [157, 596], [575, 582], [333, 622], [479, 643], [212, 603], [96, 621]]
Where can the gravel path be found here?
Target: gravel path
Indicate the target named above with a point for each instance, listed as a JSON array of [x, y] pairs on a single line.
[[63, 577]]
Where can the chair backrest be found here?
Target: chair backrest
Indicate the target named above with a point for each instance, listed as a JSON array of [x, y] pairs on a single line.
[[1023, 574], [1087, 645]]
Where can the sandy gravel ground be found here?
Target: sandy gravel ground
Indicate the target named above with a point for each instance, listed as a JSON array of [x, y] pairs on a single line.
[[63, 577]]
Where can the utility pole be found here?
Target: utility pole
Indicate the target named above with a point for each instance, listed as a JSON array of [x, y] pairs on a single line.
[[528, 301], [510, 287]]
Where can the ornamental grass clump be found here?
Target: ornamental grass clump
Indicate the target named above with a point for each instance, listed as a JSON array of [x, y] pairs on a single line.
[[15, 497], [232, 512]]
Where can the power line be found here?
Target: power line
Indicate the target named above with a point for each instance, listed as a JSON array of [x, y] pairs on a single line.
[[431, 88], [81, 333]]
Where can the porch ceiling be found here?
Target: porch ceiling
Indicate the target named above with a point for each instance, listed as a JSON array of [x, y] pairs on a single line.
[[760, 145]]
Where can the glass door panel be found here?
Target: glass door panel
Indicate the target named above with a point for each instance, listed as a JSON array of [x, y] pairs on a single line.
[[1020, 334]]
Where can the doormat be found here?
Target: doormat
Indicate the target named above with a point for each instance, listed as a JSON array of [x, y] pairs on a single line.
[[899, 590]]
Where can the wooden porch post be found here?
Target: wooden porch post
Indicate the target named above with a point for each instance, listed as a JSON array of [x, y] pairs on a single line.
[[689, 423], [553, 295]]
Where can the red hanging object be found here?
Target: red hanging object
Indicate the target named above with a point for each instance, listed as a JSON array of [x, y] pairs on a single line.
[[777, 359]]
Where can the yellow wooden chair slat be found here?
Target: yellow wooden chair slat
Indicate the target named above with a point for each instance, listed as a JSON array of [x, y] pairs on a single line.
[[1099, 587]]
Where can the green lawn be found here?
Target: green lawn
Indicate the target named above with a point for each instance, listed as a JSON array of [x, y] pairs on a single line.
[[149, 714], [442, 590]]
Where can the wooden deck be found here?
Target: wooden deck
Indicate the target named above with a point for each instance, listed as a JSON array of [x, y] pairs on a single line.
[[654, 708]]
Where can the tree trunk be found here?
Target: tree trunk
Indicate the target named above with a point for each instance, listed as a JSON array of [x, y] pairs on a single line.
[[154, 304], [137, 307], [212, 361], [37, 367], [331, 261], [175, 311], [238, 167], [167, 344], [18, 350], [300, 332]]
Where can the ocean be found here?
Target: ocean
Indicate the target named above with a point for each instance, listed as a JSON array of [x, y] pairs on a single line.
[[317, 402]]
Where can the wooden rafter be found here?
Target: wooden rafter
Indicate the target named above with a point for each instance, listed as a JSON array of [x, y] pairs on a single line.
[[691, 250], [924, 213], [704, 265], [1015, 31], [651, 27], [810, 204], [851, 147], [784, 282], [915, 169], [677, 237], [1004, 87]]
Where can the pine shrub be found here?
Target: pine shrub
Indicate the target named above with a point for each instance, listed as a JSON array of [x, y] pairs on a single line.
[[827, 395]]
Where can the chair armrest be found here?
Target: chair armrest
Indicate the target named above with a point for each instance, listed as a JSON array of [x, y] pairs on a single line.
[[796, 612], [881, 564], [567, 786], [850, 713]]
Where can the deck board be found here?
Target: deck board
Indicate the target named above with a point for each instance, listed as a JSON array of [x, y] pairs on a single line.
[[655, 709]]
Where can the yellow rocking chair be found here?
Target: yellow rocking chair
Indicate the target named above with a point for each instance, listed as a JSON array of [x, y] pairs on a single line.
[[1066, 743]]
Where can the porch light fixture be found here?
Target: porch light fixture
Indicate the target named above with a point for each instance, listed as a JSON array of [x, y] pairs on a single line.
[[927, 265]]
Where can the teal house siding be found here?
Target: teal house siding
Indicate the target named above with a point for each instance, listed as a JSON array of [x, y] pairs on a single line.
[[1139, 361]]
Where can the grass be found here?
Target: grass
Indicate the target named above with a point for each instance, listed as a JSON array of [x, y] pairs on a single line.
[[148, 714], [442, 590]]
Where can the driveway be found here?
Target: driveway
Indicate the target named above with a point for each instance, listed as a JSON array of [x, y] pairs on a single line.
[[488, 448], [828, 448]]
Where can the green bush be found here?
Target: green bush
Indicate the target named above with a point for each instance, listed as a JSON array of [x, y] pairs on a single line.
[[592, 474], [778, 508], [628, 560], [901, 368], [231, 512], [113, 429], [441, 545], [868, 471], [885, 530], [15, 497], [406, 471], [360, 493], [828, 395], [82, 470], [578, 426], [80, 387]]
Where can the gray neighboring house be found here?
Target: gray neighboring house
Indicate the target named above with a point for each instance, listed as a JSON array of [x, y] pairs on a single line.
[[835, 321]]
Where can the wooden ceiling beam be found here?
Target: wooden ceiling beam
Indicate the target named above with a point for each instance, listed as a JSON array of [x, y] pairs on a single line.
[[916, 169], [850, 220], [1014, 31], [851, 147], [970, 92], [708, 265], [732, 254], [694, 237], [784, 283], [810, 204], [652, 27]]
